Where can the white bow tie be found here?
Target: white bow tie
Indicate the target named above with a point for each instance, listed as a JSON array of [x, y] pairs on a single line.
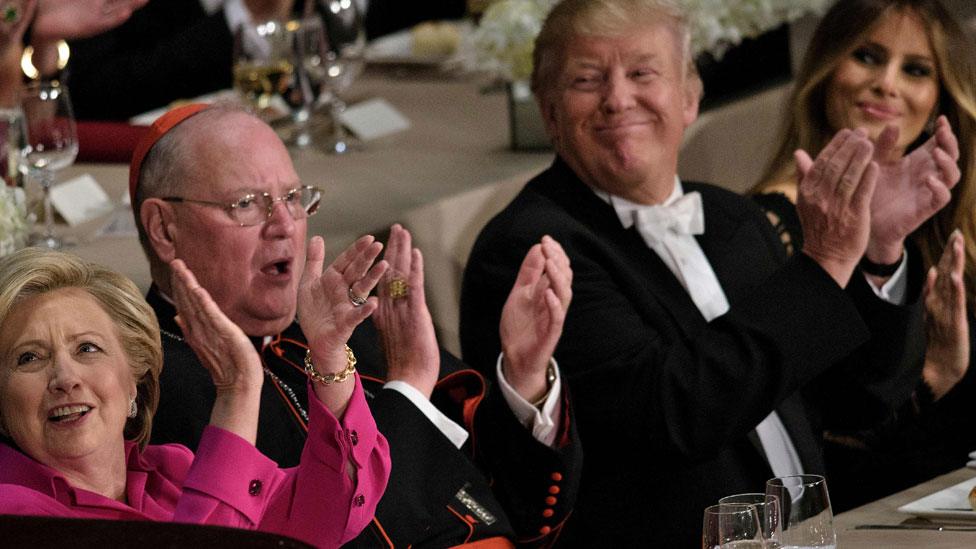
[[683, 216]]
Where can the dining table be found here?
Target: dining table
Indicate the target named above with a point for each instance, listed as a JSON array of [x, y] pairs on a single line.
[[879, 524]]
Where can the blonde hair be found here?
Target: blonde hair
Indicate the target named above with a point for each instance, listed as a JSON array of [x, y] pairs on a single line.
[[805, 124], [32, 272], [570, 18]]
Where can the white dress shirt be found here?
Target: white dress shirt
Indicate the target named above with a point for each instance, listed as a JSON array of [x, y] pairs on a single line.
[[542, 421]]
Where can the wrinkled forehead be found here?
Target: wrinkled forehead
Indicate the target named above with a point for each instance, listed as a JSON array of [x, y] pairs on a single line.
[[556, 44], [68, 311], [233, 154]]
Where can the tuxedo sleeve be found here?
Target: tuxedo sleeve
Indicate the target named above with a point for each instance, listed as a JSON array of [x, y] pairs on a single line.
[[879, 377], [428, 481], [537, 485]]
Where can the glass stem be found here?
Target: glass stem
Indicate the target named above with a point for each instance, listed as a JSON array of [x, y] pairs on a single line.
[[338, 132], [47, 179]]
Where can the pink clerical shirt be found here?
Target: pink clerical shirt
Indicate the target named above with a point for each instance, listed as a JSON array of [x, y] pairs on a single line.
[[229, 482]]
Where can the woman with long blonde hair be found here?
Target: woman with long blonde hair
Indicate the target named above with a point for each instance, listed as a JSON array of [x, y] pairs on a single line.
[[903, 70]]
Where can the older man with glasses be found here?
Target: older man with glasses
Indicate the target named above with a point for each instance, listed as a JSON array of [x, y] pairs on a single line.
[[206, 186]]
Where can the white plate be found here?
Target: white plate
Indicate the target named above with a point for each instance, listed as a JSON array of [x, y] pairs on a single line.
[[948, 504]]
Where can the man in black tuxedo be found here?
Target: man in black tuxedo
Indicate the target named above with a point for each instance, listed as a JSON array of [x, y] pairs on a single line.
[[699, 362], [215, 187]]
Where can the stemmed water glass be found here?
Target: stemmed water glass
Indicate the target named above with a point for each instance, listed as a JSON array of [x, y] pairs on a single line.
[[732, 525], [804, 510], [345, 39], [768, 509], [52, 144]]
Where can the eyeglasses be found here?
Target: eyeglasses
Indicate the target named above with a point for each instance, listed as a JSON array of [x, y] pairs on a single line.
[[256, 208]]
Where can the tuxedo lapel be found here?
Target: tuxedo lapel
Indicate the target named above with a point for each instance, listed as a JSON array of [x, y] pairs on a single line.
[[644, 277]]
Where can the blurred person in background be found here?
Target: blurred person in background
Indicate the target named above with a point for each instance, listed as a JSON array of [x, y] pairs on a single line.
[[181, 49], [42, 23]]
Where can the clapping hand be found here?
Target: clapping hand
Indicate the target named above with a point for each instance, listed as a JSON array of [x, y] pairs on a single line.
[[833, 202], [910, 188], [333, 301], [403, 320], [224, 350], [533, 316], [946, 322]]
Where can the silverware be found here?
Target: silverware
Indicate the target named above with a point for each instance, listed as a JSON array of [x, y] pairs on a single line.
[[969, 509], [937, 527]]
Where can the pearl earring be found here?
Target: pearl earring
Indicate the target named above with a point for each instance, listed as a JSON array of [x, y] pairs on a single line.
[[133, 409]]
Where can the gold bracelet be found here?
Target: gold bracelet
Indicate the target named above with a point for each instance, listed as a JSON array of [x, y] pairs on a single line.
[[329, 379]]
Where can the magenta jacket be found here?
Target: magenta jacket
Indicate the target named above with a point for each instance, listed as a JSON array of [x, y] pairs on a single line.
[[229, 482]]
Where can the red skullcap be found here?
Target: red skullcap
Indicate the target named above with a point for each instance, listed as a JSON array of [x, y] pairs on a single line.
[[159, 128]]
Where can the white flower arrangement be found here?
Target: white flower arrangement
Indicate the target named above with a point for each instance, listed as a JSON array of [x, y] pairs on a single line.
[[717, 25], [13, 219], [502, 41]]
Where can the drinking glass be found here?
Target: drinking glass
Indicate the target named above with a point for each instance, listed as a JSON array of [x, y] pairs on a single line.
[[52, 144], [345, 39], [804, 510], [263, 67], [767, 508], [310, 51], [731, 526], [13, 140]]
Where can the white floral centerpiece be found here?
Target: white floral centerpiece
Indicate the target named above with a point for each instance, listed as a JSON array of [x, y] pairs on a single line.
[[13, 220], [502, 42], [717, 25]]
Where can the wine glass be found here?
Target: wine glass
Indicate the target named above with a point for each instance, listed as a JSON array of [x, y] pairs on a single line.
[[767, 508], [804, 510], [52, 144], [731, 525], [345, 39], [263, 67]]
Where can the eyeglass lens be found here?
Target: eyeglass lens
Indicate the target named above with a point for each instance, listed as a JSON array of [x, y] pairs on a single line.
[[254, 209]]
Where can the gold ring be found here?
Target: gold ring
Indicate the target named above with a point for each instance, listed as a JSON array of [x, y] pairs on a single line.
[[357, 301], [398, 288]]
